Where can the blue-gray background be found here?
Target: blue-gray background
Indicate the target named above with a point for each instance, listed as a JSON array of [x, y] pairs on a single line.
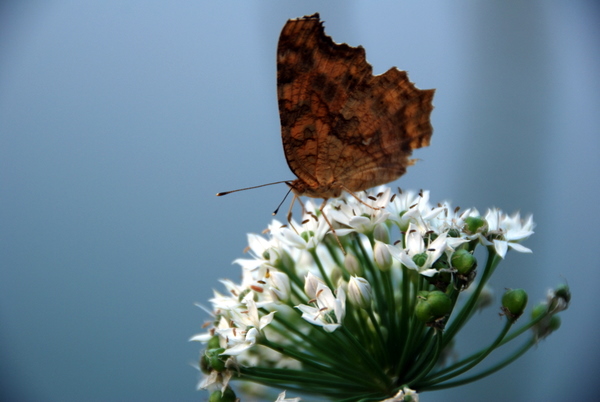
[[119, 121]]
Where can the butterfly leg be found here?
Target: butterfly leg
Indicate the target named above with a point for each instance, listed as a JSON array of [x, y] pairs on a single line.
[[331, 226], [358, 199]]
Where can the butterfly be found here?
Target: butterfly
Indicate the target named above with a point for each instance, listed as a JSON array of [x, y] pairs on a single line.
[[342, 128]]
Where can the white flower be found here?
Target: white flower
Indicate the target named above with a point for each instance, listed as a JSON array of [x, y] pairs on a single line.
[[507, 231], [361, 217], [245, 328], [330, 310], [402, 395], [282, 398], [314, 229], [415, 245]]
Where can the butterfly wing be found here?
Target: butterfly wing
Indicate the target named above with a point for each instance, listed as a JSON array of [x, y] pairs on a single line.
[[340, 124]]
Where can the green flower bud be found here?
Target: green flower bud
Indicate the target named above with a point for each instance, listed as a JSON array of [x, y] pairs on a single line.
[[307, 235], [420, 259], [441, 263], [214, 360], [547, 324], [539, 310], [227, 396], [213, 343], [554, 323], [204, 366], [463, 261], [432, 306], [454, 233], [563, 292], [514, 302], [475, 224]]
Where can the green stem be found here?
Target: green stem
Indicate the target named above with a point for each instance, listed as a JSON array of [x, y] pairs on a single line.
[[476, 361], [492, 262], [520, 352]]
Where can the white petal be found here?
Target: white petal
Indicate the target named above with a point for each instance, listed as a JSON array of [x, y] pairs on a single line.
[[519, 248], [266, 320], [501, 247], [429, 272]]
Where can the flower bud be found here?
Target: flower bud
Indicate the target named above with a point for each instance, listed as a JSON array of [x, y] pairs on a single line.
[[463, 261], [306, 235], [514, 302], [432, 306], [213, 343], [227, 396], [280, 286], [381, 233], [559, 298], [382, 256], [420, 259], [204, 366], [310, 285], [475, 224], [213, 360], [352, 265], [546, 325], [359, 292], [563, 292]]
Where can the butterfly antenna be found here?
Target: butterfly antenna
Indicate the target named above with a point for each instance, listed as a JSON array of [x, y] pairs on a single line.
[[282, 201], [250, 188]]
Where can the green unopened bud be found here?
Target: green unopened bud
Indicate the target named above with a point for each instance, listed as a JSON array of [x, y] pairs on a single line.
[[214, 360], [432, 306], [514, 302], [463, 261], [213, 343], [420, 259], [441, 263], [563, 292], [475, 224], [453, 232], [539, 310], [359, 292], [204, 366], [554, 323], [307, 235], [227, 396], [547, 324]]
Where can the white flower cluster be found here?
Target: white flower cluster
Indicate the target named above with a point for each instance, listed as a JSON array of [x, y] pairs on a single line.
[[298, 273]]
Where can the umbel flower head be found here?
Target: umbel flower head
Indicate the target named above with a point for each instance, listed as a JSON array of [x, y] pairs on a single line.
[[374, 319]]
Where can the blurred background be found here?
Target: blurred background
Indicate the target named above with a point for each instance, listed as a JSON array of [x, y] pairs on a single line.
[[119, 121]]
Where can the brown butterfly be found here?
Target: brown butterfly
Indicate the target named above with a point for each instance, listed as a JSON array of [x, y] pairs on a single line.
[[343, 129]]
